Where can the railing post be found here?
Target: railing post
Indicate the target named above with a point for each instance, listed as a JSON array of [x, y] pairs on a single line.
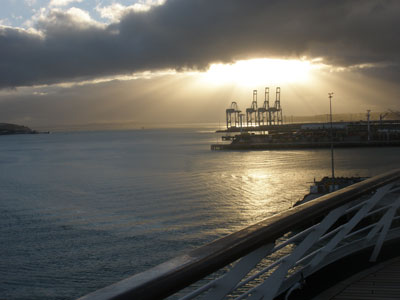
[[350, 225], [227, 283], [387, 218], [268, 289]]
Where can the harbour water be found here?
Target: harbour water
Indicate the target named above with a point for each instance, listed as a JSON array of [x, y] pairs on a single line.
[[82, 210]]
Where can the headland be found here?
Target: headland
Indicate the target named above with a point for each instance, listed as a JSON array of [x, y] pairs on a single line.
[[7, 129]]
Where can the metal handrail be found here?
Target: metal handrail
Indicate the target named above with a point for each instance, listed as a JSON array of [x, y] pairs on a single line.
[[178, 273]]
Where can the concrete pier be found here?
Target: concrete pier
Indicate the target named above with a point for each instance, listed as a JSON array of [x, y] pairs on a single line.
[[302, 145]]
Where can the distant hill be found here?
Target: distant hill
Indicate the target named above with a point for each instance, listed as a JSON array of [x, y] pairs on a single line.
[[6, 128]]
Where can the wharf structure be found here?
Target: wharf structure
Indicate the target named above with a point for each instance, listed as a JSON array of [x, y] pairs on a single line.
[[314, 135], [264, 129], [343, 245]]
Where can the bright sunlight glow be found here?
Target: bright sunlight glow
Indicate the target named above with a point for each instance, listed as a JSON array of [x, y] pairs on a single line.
[[259, 71]]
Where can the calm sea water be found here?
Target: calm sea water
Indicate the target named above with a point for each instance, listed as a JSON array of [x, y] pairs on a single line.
[[82, 210]]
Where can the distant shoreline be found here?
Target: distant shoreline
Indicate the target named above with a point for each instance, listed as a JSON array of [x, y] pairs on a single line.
[[9, 129]]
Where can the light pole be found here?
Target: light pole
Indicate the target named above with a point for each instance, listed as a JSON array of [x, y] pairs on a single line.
[[369, 128], [330, 111]]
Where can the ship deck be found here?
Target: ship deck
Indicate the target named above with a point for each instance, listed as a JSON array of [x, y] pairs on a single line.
[[381, 281]]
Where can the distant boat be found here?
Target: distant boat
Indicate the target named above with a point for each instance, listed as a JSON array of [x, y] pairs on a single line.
[[326, 186], [329, 184]]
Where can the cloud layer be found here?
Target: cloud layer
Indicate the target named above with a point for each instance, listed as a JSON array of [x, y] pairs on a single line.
[[181, 34]]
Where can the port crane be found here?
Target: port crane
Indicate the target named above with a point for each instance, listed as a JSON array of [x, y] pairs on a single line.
[[251, 113], [382, 116], [261, 116], [264, 112], [276, 110], [233, 116], [397, 113]]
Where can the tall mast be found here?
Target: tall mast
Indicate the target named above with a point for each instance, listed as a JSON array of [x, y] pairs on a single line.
[[330, 110]]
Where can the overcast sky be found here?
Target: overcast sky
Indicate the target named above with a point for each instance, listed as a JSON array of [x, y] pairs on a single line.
[[87, 61]]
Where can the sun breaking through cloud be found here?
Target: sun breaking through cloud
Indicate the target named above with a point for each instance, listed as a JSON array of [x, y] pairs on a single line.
[[192, 35], [255, 72], [81, 61]]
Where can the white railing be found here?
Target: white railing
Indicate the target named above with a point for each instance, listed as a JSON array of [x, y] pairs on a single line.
[[275, 257], [313, 248]]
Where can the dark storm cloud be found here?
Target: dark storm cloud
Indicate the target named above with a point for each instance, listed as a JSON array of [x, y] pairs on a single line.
[[185, 34]]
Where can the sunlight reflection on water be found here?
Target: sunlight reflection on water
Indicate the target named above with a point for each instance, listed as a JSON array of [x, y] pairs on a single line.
[[83, 210]]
